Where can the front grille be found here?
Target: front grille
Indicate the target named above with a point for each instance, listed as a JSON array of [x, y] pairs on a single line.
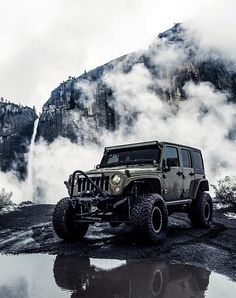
[[100, 180]]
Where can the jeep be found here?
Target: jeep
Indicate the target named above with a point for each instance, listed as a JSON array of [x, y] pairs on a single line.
[[140, 185], [85, 277]]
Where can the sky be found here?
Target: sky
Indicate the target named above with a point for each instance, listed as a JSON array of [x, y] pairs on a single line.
[[43, 42]]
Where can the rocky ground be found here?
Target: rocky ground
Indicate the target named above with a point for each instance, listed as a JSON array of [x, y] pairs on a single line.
[[29, 230]]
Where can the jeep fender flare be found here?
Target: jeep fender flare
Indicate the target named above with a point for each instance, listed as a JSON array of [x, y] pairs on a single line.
[[151, 185], [196, 186]]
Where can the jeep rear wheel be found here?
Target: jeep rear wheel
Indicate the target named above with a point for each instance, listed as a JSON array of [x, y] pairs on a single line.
[[149, 218], [63, 221], [201, 211]]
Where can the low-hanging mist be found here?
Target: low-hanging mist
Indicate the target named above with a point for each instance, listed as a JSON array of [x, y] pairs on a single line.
[[204, 119]]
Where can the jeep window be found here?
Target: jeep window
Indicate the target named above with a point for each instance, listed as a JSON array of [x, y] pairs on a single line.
[[186, 157], [197, 161], [172, 158], [126, 156]]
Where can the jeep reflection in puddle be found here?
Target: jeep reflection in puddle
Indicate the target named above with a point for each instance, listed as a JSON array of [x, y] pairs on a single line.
[[70, 276], [113, 278]]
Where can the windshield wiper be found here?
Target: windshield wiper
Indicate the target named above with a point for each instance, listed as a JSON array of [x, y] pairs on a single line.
[[115, 164]]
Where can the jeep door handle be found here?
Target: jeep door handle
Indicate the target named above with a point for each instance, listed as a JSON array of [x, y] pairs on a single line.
[[191, 174], [179, 173]]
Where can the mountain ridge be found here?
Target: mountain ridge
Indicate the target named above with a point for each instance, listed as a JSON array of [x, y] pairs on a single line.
[[72, 95]]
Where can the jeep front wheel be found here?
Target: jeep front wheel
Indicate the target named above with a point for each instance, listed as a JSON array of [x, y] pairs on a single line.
[[201, 211], [64, 224], [149, 218]]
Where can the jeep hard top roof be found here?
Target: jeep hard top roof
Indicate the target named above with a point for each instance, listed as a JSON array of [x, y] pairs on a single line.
[[145, 144]]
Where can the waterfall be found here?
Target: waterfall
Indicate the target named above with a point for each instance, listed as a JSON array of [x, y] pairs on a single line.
[[30, 157]]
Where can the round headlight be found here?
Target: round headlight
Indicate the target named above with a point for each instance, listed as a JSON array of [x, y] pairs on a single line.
[[116, 179]]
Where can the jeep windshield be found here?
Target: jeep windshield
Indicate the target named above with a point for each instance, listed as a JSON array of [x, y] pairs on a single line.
[[131, 156]]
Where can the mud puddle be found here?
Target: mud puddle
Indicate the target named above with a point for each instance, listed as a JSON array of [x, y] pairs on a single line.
[[40, 275]]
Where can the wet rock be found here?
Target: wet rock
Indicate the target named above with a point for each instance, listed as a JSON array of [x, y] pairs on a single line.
[[42, 232]]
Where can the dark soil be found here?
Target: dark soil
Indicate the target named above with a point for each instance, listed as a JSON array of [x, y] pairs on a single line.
[[29, 230]]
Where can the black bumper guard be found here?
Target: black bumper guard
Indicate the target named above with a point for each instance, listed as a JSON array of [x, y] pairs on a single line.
[[102, 192]]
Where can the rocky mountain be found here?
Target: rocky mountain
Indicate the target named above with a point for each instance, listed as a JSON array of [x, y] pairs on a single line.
[[87, 103], [16, 129], [81, 107]]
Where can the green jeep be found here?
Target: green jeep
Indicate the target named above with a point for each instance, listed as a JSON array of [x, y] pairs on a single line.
[[140, 185]]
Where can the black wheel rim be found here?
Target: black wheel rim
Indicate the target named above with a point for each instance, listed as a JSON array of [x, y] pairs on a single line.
[[156, 219], [207, 211]]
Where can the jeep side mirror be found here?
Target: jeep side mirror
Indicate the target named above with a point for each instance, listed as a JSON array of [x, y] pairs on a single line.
[[155, 162], [97, 167], [166, 169]]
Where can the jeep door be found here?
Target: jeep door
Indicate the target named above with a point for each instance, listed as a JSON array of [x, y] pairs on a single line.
[[187, 168], [172, 176]]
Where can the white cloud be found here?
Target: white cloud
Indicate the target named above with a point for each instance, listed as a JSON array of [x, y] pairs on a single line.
[[203, 120], [214, 24]]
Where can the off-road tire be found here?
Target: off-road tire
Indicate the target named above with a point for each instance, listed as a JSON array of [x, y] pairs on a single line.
[[201, 211], [149, 218], [63, 222]]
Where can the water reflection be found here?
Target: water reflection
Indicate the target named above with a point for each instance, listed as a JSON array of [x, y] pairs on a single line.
[[19, 290], [41, 276], [95, 278]]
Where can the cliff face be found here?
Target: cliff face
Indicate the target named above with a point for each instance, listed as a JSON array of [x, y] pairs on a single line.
[[83, 105], [16, 129], [65, 112], [80, 105]]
